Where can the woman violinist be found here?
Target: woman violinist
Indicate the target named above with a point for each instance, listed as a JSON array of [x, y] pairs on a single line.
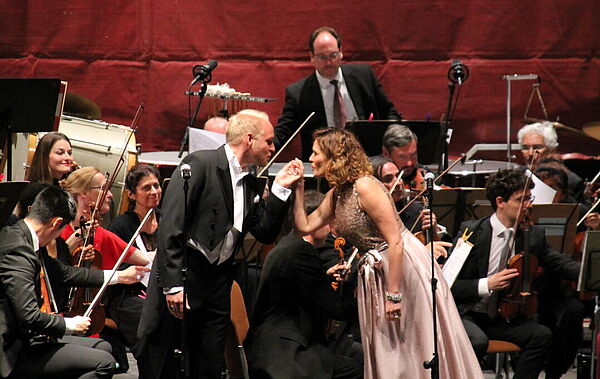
[[125, 302], [85, 185]]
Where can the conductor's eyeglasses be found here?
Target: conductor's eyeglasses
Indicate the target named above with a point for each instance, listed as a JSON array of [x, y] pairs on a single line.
[[331, 56]]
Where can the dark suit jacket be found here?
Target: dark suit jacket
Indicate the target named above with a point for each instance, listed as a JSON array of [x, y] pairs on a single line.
[[475, 267], [295, 298], [210, 208], [20, 317], [304, 97]]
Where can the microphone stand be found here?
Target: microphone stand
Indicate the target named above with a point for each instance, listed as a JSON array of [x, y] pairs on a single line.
[[183, 353], [186, 135], [434, 363], [445, 126]]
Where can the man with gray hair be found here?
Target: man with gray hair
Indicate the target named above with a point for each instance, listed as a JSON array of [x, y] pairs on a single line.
[[541, 137], [224, 203], [400, 145]]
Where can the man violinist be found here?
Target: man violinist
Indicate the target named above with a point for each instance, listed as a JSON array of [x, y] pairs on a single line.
[[33, 342], [484, 274]]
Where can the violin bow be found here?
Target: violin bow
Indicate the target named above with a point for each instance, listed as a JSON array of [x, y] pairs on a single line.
[[96, 299], [398, 179], [262, 171], [110, 179], [463, 158]]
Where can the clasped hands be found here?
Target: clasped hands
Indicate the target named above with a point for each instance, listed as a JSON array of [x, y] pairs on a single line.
[[290, 174]]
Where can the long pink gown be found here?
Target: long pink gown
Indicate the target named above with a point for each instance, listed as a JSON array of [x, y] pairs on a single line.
[[397, 349]]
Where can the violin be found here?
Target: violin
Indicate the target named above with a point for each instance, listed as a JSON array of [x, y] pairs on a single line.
[[337, 245], [81, 297], [519, 298], [48, 302]]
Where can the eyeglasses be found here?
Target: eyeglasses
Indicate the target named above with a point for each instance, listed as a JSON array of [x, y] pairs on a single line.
[[389, 178], [331, 56], [529, 199], [534, 147]]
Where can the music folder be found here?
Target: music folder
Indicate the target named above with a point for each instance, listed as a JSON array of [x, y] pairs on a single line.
[[589, 275]]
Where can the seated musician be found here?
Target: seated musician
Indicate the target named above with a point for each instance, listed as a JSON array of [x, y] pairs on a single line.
[[552, 172], [483, 274], [542, 137], [416, 217], [125, 302], [295, 298], [52, 160], [36, 343], [85, 185]]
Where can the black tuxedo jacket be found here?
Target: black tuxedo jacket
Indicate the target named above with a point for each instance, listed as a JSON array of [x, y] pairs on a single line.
[[210, 212], [475, 267], [20, 317], [304, 97], [295, 298]]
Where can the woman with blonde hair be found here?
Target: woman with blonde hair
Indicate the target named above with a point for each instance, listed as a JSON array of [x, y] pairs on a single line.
[[394, 291], [85, 184]]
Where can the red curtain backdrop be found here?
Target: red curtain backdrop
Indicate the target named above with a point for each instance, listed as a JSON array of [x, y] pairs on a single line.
[[120, 53]]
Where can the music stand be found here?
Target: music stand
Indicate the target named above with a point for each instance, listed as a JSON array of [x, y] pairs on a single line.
[[9, 197], [452, 206], [560, 224], [28, 105], [370, 135]]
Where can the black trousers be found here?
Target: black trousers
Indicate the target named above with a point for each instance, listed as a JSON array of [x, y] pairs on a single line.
[[208, 290], [533, 338], [70, 357], [565, 320]]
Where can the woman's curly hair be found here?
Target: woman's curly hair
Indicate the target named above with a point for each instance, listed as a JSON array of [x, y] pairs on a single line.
[[346, 159]]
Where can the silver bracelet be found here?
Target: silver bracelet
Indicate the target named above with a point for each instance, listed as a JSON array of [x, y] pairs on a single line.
[[394, 297]]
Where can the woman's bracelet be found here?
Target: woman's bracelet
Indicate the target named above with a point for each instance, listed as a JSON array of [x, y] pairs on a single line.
[[394, 297]]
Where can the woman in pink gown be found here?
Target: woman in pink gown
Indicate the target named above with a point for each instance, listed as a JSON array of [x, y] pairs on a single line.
[[394, 292]]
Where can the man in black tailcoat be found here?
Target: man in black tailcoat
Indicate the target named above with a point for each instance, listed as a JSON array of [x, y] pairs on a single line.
[[224, 203]]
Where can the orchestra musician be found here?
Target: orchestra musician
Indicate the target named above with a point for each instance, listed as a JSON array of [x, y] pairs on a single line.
[[36, 343], [52, 160], [542, 137], [84, 185], [355, 94], [483, 274], [125, 302], [295, 299], [560, 307], [416, 216], [224, 203]]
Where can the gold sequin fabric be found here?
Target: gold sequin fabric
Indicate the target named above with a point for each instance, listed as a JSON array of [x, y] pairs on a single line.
[[353, 223]]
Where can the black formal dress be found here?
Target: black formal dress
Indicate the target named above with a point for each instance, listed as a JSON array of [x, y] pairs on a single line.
[[304, 97], [295, 299], [210, 206], [26, 350], [533, 338]]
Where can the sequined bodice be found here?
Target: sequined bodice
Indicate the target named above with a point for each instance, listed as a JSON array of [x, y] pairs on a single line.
[[353, 223]]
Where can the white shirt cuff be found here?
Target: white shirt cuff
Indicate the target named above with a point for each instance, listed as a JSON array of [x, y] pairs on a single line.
[[71, 324], [115, 278], [172, 290], [281, 192], [482, 287]]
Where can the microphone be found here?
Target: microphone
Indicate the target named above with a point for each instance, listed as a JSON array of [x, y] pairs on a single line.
[[429, 179], [201, 72], [458, 73], [186, 171]]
